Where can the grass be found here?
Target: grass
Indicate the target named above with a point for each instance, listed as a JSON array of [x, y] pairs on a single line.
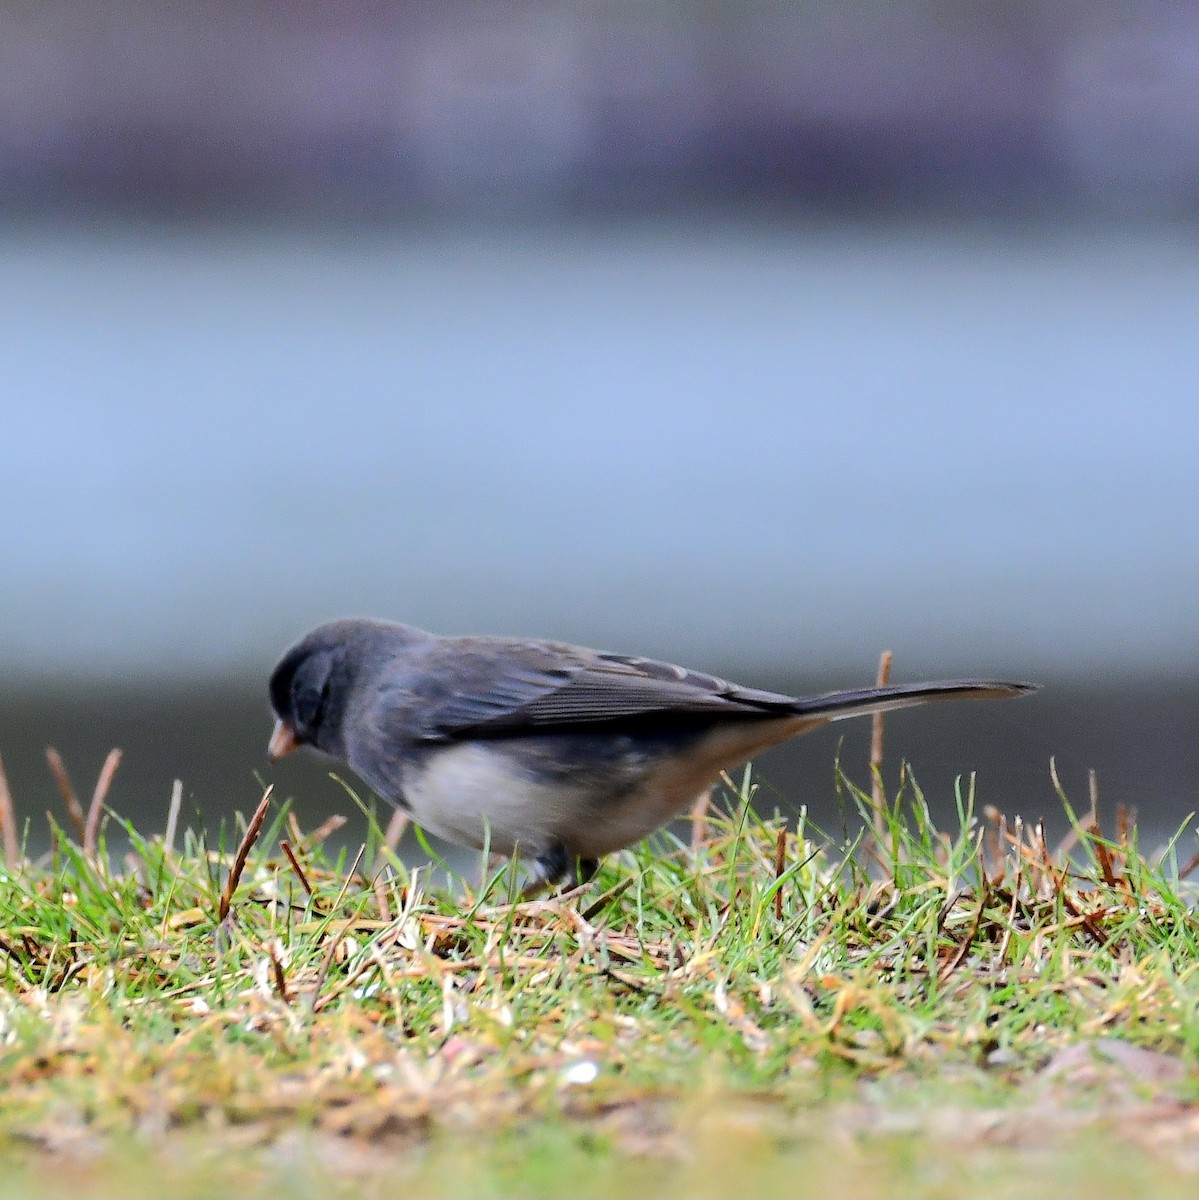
[[757, 1011]]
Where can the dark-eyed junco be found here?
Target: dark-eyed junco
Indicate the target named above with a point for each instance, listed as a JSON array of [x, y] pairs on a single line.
[[567, 753]]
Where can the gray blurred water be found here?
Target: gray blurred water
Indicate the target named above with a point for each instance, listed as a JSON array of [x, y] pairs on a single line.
[[773, 449]]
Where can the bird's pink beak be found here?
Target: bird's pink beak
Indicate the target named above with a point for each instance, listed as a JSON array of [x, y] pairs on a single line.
[[283, 741]]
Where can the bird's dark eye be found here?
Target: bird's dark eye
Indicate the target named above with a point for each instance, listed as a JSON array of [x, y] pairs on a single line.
[[309, 691], [307, 701]]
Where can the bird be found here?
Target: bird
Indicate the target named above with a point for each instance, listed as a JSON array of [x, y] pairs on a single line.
[[553, 752]]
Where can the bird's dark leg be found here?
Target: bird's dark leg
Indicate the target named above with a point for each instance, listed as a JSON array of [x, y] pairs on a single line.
[[549, 867], [553, 865]]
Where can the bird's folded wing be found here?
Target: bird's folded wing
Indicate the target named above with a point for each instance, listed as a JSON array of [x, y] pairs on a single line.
[[492, 688]]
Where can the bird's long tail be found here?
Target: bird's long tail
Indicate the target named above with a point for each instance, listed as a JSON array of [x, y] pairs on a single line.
[[834, 706]]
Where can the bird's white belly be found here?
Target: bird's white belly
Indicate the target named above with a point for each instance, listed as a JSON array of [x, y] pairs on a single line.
[[476, 794], [473, 796]]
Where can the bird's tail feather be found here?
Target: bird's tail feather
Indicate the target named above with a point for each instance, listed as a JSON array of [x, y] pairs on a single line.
[[834, 706]]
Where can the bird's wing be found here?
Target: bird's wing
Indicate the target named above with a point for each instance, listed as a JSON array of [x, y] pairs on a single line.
[[483, 687]]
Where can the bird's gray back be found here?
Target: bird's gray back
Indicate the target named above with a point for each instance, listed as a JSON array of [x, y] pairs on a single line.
[[498, 687]]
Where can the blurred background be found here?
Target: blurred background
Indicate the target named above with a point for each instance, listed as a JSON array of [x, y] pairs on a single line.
[[761, 337]]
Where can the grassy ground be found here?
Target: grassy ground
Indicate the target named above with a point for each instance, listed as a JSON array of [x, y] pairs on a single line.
[[759, 1012]]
